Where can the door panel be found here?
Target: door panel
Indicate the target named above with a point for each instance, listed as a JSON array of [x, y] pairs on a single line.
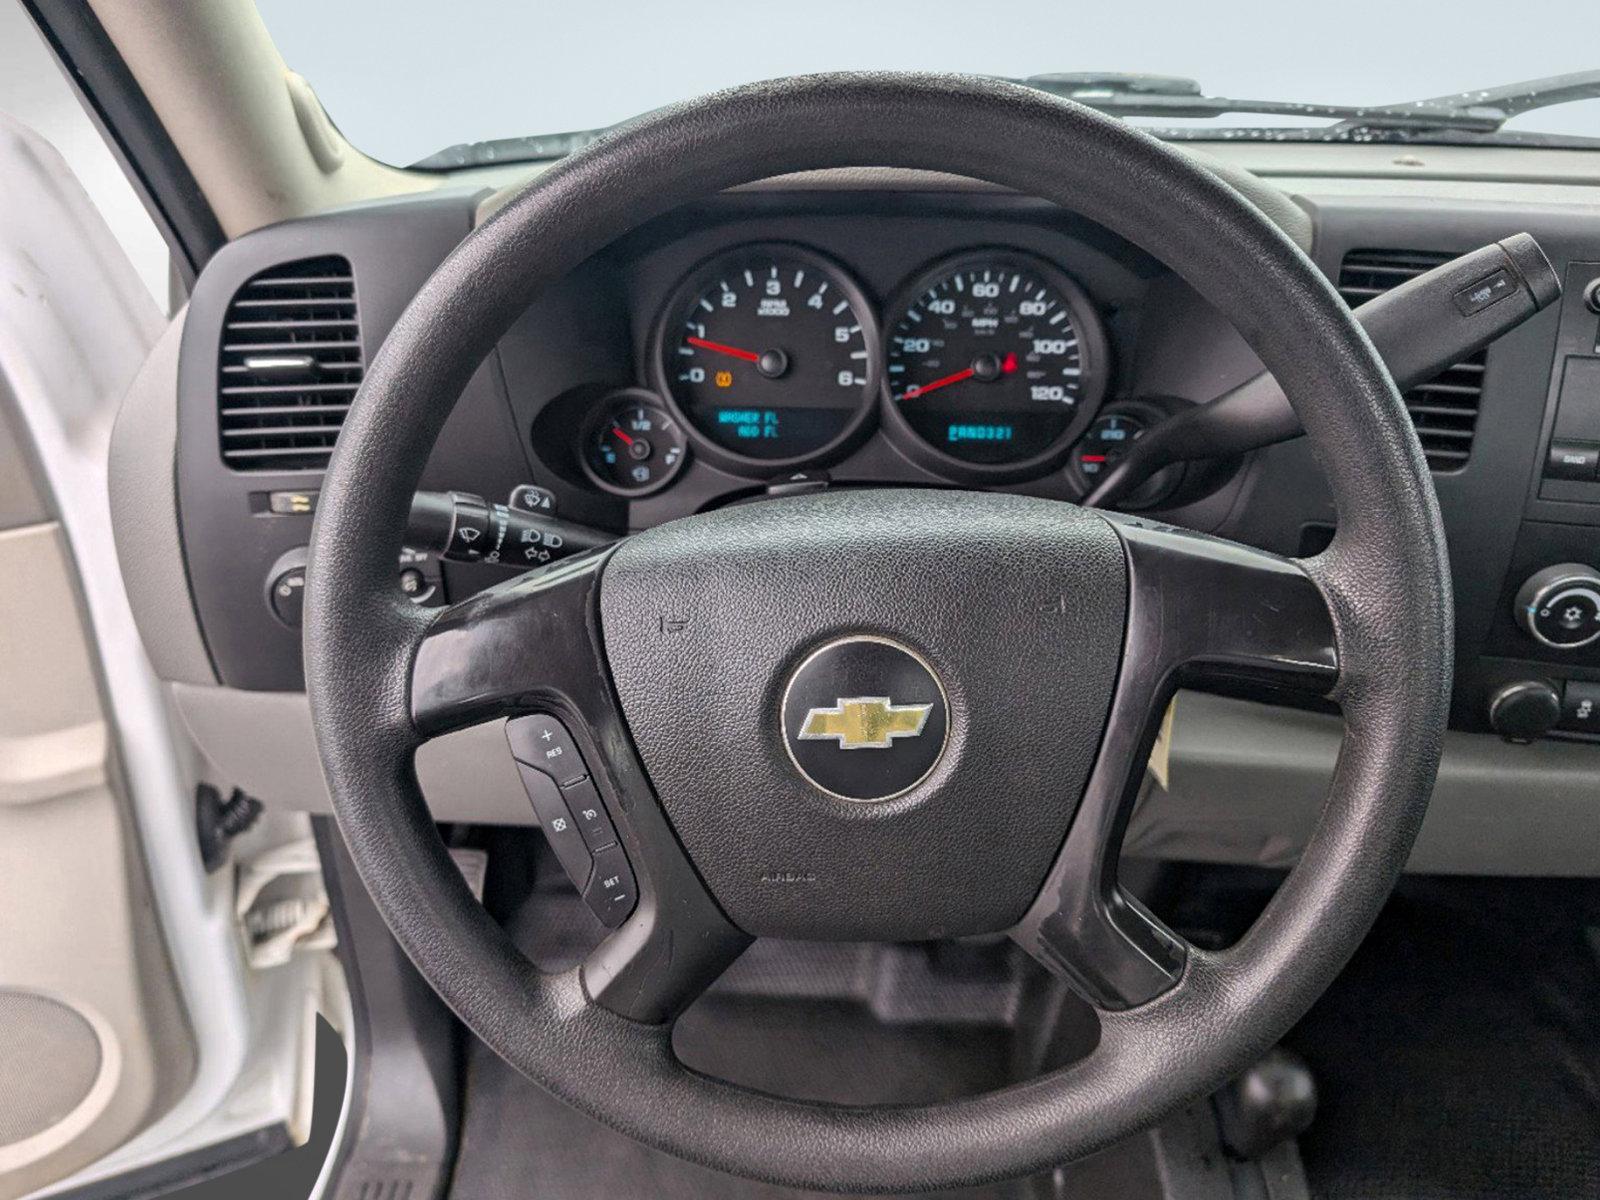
[[94, 1042]]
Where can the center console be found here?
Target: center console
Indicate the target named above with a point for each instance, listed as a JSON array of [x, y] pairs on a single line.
[[1539, 671]]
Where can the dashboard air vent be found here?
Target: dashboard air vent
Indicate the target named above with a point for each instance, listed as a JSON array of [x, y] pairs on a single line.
[[289, 366], [1445, 409]]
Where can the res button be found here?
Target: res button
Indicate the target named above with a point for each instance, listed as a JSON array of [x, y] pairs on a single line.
[[543, 742]]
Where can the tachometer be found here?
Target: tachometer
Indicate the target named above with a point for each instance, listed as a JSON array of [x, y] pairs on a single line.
[[995, 363], [771, 357]]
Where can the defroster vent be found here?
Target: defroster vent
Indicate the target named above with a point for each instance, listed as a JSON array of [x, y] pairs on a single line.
[[1445, 409], [289, 366]]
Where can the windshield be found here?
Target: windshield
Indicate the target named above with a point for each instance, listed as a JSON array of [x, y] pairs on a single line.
[[407, 82]]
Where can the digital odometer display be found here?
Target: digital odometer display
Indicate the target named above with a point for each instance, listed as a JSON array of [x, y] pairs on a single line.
[[770, 354], [994, 359]]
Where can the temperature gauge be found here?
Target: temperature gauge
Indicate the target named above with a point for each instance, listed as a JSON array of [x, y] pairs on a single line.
[[634, 446], [1107, 439]]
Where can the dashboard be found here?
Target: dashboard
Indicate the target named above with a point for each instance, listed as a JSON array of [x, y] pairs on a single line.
[[836, 332]]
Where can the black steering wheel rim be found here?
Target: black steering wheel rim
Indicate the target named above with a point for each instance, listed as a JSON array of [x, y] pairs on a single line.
[[1384, 580]]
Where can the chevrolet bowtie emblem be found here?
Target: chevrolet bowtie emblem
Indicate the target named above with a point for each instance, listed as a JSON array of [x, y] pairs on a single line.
[[865, 722]]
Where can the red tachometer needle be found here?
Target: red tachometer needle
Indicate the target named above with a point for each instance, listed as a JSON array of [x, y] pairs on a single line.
[[626, 440], [719, 348], [912, 392]]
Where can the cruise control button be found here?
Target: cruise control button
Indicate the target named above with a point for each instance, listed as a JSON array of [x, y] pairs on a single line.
[[583, 802], [542, 741], [560, 830], [611, 893], [1580, 707]]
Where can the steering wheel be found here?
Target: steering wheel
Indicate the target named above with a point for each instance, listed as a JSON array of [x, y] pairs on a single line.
[[1034, 646]]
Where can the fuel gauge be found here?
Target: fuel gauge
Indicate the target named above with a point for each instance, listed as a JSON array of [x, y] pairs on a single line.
[[634, 447]]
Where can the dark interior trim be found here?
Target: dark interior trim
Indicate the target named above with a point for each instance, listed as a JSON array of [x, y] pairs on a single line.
[[402, 1117], [118, 107]]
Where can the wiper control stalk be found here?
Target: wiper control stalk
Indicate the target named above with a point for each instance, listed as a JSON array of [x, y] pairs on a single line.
[[1419, 328], [462, 527]]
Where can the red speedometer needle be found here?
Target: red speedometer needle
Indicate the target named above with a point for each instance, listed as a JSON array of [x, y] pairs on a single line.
[[719, 348], [984, 368], [626, 440], [912, 392]]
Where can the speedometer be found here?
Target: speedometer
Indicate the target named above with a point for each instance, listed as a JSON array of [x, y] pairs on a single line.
[[770, 355], [995, 362]]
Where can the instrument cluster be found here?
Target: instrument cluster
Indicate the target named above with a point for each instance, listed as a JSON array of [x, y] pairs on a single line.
[[989, 366]]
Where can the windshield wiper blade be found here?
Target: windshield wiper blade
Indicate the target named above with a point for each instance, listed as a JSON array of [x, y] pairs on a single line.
[[1134, 95], [1483, 110], [1131, 94]]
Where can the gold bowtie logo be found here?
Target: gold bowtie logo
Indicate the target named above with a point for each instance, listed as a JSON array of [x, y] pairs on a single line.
[[865, 722]]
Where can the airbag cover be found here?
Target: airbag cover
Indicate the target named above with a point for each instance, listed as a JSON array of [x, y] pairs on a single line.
[[1017, 606]]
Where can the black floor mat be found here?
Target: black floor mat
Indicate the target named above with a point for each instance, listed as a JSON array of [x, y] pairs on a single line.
[[1458, 1055], [835, 1052], [518, 1143]]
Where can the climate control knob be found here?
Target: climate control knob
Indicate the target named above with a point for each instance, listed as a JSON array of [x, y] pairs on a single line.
[[1560, 606]]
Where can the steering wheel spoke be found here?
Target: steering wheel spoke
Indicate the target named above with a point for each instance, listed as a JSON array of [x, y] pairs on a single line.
[[530, 650], [524, 645], [1204, 609], [1200, 609]]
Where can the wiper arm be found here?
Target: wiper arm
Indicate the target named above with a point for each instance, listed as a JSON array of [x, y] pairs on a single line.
[[502, 150], [1513, 99], [1135, 95]]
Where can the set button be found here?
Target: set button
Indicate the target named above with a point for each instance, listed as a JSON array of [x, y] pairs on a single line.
[[611, 893]]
